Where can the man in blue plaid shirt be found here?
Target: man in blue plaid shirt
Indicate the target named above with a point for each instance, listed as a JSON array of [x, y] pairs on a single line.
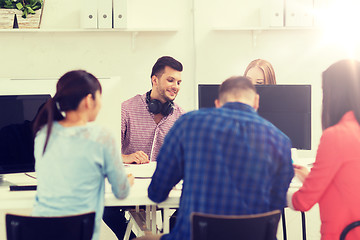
[[231, 160]]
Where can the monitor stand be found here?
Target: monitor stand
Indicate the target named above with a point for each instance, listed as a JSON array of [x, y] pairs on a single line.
[[294, 154], [3, 181]]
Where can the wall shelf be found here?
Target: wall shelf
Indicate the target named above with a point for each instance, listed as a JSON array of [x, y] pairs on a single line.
[[133, 31], [77, 30], [256, 31], [264, 28]]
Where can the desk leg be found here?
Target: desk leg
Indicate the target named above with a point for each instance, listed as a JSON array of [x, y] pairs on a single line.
[[153, 219], [303, 225], [128, 228], [283, 224], [148, 220], [166, 220]]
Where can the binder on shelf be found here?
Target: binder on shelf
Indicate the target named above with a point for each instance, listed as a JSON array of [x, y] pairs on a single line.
[[307, 17], [120, 13], [276, 13], [88, 18], [104, 13], [299, 13], [292, 13]]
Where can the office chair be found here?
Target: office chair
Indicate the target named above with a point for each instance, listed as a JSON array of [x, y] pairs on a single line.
[[348, 228], [255, 227], [75, 227]]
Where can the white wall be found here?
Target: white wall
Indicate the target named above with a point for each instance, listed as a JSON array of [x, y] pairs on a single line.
[[130, 55], [299, 56], [208, 55]]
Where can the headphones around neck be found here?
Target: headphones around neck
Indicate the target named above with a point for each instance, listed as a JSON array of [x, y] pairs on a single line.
[[155, 106]]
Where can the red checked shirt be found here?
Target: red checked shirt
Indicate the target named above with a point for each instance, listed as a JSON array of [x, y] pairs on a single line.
[[139, 132]]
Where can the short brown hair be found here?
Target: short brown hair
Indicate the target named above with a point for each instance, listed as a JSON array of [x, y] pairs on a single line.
[[161, 63], [236, 86]]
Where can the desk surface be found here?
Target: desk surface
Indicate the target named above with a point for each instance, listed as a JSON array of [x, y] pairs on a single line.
[[138, 193], [25, 199]]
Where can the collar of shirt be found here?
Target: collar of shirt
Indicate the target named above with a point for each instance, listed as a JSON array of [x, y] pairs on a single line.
[[239, 106]]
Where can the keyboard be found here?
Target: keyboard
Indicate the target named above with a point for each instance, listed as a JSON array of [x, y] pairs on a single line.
[[22, 187]]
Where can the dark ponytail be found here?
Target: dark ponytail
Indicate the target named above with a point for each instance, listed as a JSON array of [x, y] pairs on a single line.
[[48, 114], [71, 88]]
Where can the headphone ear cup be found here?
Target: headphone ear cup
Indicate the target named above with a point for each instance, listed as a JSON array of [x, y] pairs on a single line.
[[154, 106], [167, 108]]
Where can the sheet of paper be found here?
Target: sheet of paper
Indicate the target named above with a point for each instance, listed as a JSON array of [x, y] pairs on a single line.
[[141, 170]]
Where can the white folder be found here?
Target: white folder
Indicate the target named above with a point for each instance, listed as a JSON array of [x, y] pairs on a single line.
[[120, 13], [88, 17], [307, 17], [276, 9], [104, 13], [292, 13], [299, 13]]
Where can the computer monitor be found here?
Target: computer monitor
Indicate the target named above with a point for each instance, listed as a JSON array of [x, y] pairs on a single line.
[[288, 107], [17, 113]]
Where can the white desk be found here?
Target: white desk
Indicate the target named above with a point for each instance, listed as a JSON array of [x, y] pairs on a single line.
[[137, 197], [17, 199]]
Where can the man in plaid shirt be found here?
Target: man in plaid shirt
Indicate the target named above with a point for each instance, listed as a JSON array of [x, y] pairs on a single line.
[[231, 160]]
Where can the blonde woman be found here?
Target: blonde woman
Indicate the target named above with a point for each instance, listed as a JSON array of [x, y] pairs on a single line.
[[260, 72]]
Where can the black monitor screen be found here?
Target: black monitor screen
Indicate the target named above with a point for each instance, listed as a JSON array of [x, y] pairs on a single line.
[[17, 113], [288, 107]]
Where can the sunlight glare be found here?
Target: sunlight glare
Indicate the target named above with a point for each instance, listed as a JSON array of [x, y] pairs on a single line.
[[339, 22]]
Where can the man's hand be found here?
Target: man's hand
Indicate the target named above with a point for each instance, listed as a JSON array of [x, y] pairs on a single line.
[[130, 179], [301, 172], [138, 157]]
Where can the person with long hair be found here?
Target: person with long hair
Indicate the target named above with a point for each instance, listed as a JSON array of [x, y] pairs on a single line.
[[72, 156], [334, 180], [260, 72]]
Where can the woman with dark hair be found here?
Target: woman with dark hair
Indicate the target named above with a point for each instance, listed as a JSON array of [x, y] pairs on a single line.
[[73, 157], [334, 179], [260, 72]]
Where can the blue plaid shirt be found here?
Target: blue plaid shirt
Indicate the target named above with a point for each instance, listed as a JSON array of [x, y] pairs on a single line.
[[232, 161]]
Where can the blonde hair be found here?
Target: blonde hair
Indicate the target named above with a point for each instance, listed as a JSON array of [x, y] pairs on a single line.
[[266, 68]]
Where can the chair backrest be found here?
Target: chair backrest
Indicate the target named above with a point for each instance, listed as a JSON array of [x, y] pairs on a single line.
[[75, 227], [255, 227], [348, 228]]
